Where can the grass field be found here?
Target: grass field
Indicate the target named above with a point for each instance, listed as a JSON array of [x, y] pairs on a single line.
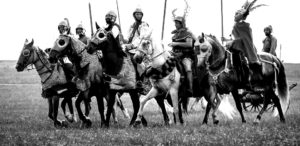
[[24, 121]]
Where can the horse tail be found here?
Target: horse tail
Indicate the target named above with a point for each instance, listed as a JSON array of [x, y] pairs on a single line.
[[282, 89], [226, 107]]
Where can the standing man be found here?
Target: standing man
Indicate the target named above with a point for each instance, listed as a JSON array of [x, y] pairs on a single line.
[[270, 42]]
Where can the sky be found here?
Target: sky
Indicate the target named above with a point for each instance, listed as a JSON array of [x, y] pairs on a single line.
[[38, 20]]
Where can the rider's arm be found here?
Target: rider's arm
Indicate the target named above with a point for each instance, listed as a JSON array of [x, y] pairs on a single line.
[[188, 43], [115, 31], [273, 45]]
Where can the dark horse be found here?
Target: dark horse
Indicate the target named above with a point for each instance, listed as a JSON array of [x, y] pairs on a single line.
[[53, 81], [226, 74], [89, 73], [119, 67]]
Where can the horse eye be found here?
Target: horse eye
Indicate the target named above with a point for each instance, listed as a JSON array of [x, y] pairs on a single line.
[[101, 35], [204, 49], [61, 42], [26, 52]]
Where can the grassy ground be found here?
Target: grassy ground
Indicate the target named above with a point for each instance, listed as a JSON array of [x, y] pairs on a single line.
[[24, 121]]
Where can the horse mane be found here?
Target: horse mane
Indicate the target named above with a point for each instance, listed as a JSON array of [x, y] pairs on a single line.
[[113, 55], [218, 58]]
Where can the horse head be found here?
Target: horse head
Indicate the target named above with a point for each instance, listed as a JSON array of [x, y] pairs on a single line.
[[212, 53], [66, 45], [99, 40], [27, 56]]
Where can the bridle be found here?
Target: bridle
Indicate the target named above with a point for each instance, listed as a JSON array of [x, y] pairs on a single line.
[[149, 56]]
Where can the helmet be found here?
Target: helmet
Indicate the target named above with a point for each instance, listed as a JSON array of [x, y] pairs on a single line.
[[180, 19], [111, 13], [269, 28], [79, 26], [63, 23], [137, 10]]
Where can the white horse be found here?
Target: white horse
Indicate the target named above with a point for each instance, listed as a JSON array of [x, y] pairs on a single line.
[[166, 79]]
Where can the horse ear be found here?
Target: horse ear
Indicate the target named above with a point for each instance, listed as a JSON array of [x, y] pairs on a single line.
[[201, 38], [26, 41], [31, 43], [97, 26]]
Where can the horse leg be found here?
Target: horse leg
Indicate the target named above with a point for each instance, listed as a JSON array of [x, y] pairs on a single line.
[[194, 103], [208, 108], [57, 123], [238, 105], [101, 108], [110, 105], [276, 102], [70, 105], [63, 106], [113, 112], [121, 106], [211, 100], [174, 97], [152, 93], [136, 105], [50, 105], [160, 101], [81, 116], [266, 102]]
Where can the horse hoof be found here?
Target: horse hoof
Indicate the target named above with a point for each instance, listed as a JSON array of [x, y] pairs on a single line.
[[256, 121], [60, 124], [216, 122], [69, 118], [137, 124], [88, 123], [64, 124], [144, 122]]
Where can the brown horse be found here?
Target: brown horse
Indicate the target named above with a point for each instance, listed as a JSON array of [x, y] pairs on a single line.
[[89, 73], [53, 81], [226, 73], [119, 67]]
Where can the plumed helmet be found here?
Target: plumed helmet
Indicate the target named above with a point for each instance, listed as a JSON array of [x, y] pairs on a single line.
[[111, 13], [246, 9], [79, 26], [180, 19], [138, 10], [269, 27]]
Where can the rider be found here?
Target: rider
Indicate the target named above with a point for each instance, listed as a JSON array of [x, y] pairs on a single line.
[[112, 26], [243, 40], [182, 43], [270, 42], [137, 30], [65, 29], [80, 31]]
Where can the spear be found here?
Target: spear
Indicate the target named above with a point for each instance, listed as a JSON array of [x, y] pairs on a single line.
[[119, 15], [222, 28], [163, 25], [91, 20]]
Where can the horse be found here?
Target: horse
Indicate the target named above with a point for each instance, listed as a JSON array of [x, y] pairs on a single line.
[[226, 70], [89, 78], [119, 67], [165, 78], [53, 81]]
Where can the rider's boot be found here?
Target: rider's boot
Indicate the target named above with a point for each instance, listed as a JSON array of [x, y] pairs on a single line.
[[189, 75]]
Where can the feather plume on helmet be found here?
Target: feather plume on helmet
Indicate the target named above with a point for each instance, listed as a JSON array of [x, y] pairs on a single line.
[[182, 19], [247, 7]]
